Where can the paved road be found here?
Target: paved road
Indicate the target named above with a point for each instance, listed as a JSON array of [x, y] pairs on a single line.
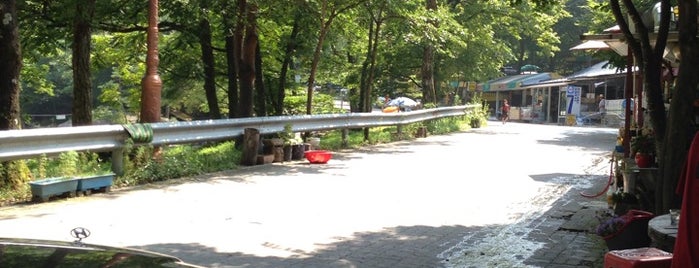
[[472, 199]]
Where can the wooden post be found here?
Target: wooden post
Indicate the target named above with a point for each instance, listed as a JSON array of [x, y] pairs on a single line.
[[251, 143]]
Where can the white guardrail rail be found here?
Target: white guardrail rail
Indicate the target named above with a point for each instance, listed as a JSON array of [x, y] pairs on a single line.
[[28, 143]]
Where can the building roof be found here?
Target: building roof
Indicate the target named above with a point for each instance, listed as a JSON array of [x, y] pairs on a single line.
[[513, 82], [600, 69], [521, 81]]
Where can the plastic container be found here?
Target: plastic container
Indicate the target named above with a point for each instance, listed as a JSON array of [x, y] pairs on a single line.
[[318, 156], [634, 234], [645, 257]]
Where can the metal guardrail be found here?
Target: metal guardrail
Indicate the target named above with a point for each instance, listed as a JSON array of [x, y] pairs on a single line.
[[23, 144]]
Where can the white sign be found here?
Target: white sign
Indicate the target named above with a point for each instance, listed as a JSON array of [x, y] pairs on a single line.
[[573, 100]]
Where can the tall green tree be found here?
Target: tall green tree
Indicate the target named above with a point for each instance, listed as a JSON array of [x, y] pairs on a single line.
[[11, 58], [207, 59], [675, 128], [232, 41], [328, 10], [248, 47], [427, 71], [12, 173], [681, 125], [82, 74]]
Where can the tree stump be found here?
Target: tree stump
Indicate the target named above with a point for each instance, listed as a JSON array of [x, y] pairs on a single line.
[[251, 143]]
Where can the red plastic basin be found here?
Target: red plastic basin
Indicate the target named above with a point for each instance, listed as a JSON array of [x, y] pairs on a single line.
[[318, 156]]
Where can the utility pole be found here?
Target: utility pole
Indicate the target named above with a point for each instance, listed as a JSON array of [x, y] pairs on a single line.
[[151, 84]]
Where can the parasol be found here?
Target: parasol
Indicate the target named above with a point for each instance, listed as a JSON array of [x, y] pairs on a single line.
[[402, 102]]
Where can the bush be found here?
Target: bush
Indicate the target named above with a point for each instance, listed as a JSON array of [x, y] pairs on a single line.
[[146, 164]]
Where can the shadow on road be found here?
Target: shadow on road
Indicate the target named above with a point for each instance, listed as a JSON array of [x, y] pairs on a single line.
[[403, 246]]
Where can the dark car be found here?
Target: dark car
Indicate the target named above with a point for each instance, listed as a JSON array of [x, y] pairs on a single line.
[[16, 252]]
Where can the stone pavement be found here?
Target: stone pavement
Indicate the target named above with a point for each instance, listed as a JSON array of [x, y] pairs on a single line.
[[568, 230], [561, 237]]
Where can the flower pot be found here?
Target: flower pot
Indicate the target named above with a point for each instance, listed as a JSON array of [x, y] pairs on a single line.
[[643, 160], [287, 152], [297, 151], [44, 189], [100, 183]]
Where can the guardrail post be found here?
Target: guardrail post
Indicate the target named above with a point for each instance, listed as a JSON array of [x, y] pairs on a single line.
[[118, 161], [399, 130], [345, 133]]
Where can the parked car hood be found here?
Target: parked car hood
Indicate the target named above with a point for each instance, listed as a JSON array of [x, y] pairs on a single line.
[[16, 252]]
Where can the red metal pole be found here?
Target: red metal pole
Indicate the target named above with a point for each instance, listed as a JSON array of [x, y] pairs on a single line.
[[151, 84]]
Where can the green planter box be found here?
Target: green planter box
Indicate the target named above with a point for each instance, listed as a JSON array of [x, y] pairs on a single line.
[[44, 189], [101, 183]]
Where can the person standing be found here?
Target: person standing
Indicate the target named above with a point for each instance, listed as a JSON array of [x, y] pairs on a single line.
[[505, 111]]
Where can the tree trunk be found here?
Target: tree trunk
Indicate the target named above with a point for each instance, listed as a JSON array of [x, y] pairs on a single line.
[[247, 63], [681, 126], [207, 58], [82, 83], [251, 138], [231, 60], [11, 58], [13, 174], [427, 70], [326, 19], [427, 73], [260, 89], [278, 99], [365, 79], [234, 92], [369, 71], [650, 59], [314, 66]]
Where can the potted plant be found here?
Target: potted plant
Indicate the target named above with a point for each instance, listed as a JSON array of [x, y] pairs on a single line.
[[643, 147], [479, 114], [291, 143]]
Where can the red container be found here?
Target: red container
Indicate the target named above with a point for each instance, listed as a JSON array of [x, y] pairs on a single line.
[[638, 258], [318, 156]]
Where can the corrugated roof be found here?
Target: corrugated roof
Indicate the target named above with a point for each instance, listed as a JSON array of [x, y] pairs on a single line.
[[599, 69], [514, 81]]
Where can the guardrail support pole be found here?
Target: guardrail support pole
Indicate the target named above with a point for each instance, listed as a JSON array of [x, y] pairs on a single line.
[[118, 162], [345, 133]]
